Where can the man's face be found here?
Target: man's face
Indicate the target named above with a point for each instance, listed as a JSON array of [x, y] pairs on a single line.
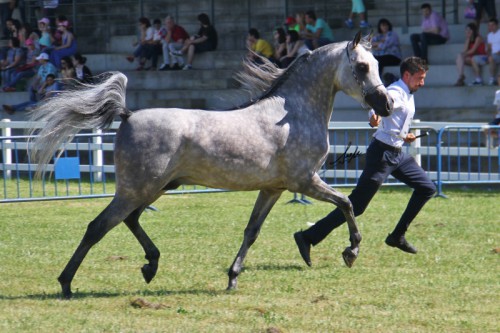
[[492, 26], [169, 23], [308, 19], [50, 80], [414, 81], [426, 12]]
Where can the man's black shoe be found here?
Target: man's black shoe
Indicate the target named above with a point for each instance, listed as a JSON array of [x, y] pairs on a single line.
[[304, 247], [401, 243]]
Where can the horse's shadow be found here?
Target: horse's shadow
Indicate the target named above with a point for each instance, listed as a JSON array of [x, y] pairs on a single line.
[[151, 293]]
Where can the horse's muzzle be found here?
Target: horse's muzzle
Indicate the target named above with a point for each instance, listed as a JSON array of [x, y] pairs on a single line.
[[381, 102]]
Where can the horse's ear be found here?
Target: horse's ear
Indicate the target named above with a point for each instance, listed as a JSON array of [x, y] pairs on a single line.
[[369, 36], [356, 39]]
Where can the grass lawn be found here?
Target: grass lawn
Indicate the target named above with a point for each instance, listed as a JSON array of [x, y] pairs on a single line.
[[451, 285]]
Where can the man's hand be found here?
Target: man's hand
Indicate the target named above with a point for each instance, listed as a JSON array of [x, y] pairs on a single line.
[[410, 137], [375, 120]]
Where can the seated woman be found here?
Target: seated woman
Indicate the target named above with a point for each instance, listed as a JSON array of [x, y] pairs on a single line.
[[295, 47], [473, 45], [385, 46], [26, 71], [279, 43], [83, 73], [205, 40], [67, 47], [143, 47], [15, 58]]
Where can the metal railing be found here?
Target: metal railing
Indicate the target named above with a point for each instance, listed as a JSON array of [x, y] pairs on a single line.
[[458, 154]]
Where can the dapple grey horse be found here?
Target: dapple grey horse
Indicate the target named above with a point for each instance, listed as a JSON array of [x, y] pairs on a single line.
[[276, 142]]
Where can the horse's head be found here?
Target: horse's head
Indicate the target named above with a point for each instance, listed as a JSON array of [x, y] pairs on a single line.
[[361, 71]]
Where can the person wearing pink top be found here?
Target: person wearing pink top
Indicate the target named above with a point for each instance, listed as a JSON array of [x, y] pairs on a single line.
[[434, 32]]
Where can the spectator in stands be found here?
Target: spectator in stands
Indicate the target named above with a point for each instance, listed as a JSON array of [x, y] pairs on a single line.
[[67, 73], [159, 33], [173, 41], [474, 45], [15, 58], [27, 70], [358, 8], [295, 47], [205, 40], [142, 50], [6, 8], [301, 24], [47, 89], [289, 23], [82, 72], [492, 135], [68, 45], [259, 47], [318, 32], [492, 56], [434, 32], [385, 46], [484, 5], [45, 68], [279, 43], [46, 38]]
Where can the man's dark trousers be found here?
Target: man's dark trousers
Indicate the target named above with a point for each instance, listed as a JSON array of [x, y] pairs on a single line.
[[381, 161]]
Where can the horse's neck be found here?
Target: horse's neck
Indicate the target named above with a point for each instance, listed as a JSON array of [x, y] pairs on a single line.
[[313, 99]]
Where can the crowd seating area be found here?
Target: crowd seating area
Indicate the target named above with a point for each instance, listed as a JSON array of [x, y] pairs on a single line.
[[211, 84]]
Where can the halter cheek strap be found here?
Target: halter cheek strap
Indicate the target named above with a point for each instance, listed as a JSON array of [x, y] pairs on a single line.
[[364, 92]]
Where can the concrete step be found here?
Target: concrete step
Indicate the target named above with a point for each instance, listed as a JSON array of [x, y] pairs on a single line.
[[190, 79], [99, 63], [211, 99]]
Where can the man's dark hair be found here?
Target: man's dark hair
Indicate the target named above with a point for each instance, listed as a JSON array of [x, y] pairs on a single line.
[[254, 33], [413, 65], [204, 19], [426, 5], [311, 14], [494, 20], [51, 76]]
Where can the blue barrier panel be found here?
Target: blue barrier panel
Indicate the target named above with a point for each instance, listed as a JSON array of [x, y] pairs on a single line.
[[67, 168]]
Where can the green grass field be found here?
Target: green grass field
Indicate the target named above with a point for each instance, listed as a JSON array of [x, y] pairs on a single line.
[[451, 285]]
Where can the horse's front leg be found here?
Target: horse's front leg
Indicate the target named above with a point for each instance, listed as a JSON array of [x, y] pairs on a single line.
[[319, 190], [263, 206]]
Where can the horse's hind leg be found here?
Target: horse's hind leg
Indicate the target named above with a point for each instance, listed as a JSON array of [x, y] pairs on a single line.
[[152, 252], [263, 206], [321, 191], [107, 220]]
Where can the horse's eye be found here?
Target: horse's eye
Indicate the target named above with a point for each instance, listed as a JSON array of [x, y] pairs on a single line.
[[362, 68]]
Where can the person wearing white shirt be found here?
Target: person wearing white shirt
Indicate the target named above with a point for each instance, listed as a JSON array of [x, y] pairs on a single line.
[[492, 56], [385, 157]]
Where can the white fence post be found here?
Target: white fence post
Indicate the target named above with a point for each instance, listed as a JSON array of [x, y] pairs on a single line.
[[98, 156], [417, 143], [7, 153]]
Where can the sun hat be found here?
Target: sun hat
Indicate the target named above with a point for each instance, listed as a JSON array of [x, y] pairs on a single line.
[[44, 20], [43, 56]]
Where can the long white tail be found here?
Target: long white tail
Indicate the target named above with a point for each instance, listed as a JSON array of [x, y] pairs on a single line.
[[70, 111]]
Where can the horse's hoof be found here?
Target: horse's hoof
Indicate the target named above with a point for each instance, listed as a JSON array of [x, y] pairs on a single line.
[[66, 291], [232, 285], [148, 272], [349, 256]]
